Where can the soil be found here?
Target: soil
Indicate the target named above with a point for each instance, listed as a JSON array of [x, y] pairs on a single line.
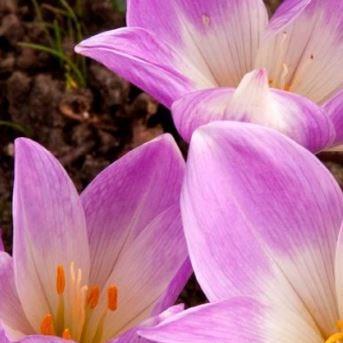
[[86, 128]]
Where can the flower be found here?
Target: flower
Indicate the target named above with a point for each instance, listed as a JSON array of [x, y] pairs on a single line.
[[91, 268], [263, 223], [208, 48]]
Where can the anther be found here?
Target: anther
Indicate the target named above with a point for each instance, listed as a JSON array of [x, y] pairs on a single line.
[[112, 298], [47, 326], [60, 280], [93, 297], [336, 337], [66, 334]]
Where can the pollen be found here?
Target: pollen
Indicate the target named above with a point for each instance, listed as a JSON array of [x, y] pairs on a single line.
[[47, 326], [60, 280], [336, 337], [93, 297], [66, 334], [112, 298]]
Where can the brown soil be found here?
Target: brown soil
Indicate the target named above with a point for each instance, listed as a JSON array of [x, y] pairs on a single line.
[[86, 128]]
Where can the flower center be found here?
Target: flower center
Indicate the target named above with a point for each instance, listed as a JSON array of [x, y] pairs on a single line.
[[337, 336], [76, 306], [285, 75]]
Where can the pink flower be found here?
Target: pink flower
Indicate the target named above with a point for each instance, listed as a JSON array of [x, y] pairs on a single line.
[[91, 268], [235, 64]]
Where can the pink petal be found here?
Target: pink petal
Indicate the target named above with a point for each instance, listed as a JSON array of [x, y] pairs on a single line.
[[253, 101], [334, 110], [240, 320], [11, 312], [220, 38], [303, 49], [140, 57], [261, 216], [49, 229], [135, 230]]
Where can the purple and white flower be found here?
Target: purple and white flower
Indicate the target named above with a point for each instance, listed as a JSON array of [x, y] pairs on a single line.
[[283, 68], [92, 268]]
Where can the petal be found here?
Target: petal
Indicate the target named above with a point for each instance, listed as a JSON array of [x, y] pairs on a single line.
[[236, 320], [220, 38], [3, 337], [136, 237], [49, 229], [261, 216], [140, 57], [253, 101], [334, 110], [285, 14], [11, 312], [175, 288], [303, 48]]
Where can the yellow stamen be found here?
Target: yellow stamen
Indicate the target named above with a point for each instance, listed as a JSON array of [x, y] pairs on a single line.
[[60, 280], [335, 337], [112, 298], [93, 297], [47, 326], [66, 334]]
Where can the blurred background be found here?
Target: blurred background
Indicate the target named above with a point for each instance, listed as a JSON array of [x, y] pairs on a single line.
[[86, 115]]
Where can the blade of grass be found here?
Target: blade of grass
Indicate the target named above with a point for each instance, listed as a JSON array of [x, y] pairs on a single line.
[[39, 15], [58, 38], [73, 67], [18, 127]]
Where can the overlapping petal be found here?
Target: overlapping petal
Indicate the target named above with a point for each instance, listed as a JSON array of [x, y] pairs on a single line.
[[267, 228], [220, 38], [136, 237], [11, 312], [334, 110], [132, 336], [236, 320], [49, 229], [253, 101], [303, 48]]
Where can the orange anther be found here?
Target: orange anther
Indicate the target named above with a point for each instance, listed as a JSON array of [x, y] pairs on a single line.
[[112, 298], [66, 334], [93, 297], [47, 326], [60, 280]]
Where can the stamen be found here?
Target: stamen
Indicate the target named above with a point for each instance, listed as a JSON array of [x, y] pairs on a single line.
[[335, 337], [60, 280], [47, 326], [93, 297], [66, 334], [112, 298]]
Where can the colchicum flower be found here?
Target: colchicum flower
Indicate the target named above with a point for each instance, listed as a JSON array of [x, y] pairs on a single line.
[[263, 222], [209, 48], [91, 268]]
